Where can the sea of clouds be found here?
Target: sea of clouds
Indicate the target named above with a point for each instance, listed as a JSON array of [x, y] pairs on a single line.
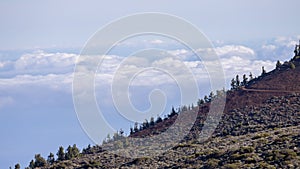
[[54, 71]]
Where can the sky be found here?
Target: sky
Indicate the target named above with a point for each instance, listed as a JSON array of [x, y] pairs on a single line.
[[41, 42], [34, 24]]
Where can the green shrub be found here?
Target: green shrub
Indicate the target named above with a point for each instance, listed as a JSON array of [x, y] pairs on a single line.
[[213, 163], [94, 164], [247, 149], [250, 160], [232, 166], [292, 65], [263, 164], [289, 154], [236, 156]]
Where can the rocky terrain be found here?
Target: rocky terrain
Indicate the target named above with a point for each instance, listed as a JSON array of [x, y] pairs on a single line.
[[265, 136], [258, 129]]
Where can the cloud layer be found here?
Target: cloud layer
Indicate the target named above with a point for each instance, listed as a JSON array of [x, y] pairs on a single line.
[[54, 71]]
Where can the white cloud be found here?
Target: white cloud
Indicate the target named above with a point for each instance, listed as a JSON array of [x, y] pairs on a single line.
[[50, 70], [179, 52], [55, 82], [157, 41], [235, 50], [42, 67], [5, 65], [287, 41], [237, 65], [43, 62], [232, 64], [269, 47], [54, 71], [280, 48]]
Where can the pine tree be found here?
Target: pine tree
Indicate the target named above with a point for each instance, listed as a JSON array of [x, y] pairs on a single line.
[[39, 161], [245, 80], [141, 127], [158, 120], [233, 83], [76, 151], [263, 70], [68, 153], [206, 99], [121, 132], [131, 130], [173, 112], [152, 121], [211, 96], [87, 150], [136, 125], [17, 166], [200, 102], [51, 159], [60, 154], [72, 152], [145, 124], [31, 164], [251, 76], [278, 64], [237, 80]]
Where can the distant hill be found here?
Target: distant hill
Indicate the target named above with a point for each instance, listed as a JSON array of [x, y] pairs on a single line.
[[259, 129]]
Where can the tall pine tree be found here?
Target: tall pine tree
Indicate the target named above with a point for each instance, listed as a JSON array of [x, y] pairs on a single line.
[[60, 154]]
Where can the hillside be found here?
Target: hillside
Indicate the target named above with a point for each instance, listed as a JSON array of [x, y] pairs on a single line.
[[259, 129], [263, 136], [282, 81]]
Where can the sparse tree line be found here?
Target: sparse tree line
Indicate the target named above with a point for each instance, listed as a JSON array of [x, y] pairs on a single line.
[[287, 64], [152, 122], [149, 123], [119, 135], [39, 161], [237, 83]]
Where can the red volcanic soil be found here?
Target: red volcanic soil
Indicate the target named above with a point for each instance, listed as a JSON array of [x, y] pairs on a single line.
[[279, 82]]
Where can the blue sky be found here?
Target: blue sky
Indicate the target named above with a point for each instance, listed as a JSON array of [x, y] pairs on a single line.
[[40, 41], [69, 24]]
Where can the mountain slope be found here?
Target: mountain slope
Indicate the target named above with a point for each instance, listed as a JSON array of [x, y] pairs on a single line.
[[256, 137], [259, 129]]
